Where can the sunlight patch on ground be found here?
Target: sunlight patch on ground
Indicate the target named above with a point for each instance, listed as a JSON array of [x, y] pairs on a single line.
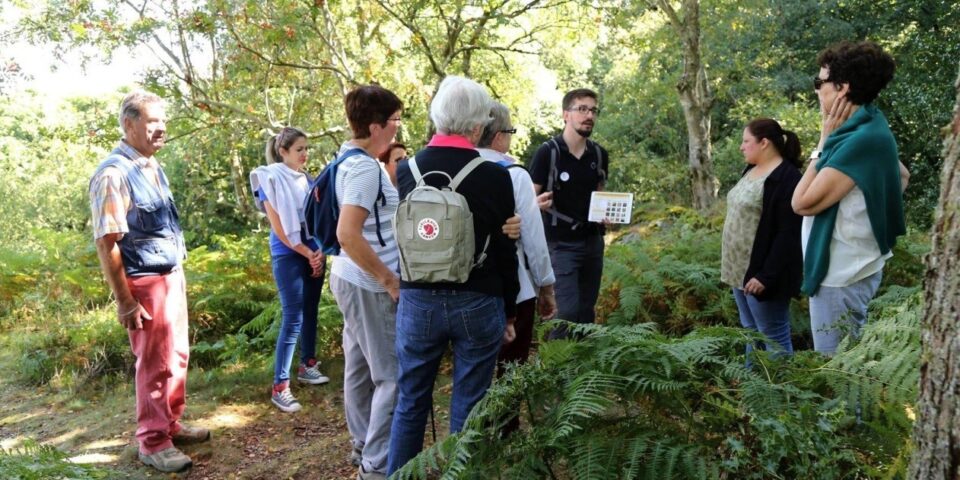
[[94, 458], [19, 417], [66, 437], [230, 416], [11, 443], [99, 444]]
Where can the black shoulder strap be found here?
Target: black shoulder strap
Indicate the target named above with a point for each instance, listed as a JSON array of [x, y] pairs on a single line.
[[551, 179]]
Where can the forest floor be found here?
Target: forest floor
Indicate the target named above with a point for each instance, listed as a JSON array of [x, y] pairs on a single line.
[[251, 438]]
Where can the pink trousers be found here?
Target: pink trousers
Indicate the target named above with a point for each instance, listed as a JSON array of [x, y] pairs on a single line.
[[162, 349]]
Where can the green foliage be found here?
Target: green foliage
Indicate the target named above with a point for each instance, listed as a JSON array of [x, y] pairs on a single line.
[[628, 402], [34, 461], [667, 271]]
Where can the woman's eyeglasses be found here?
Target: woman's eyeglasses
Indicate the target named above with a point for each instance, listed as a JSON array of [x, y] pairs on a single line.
[[509, 130]]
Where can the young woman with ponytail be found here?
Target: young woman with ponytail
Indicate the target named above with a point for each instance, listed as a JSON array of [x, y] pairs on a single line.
[[762, 258], [298, 264]]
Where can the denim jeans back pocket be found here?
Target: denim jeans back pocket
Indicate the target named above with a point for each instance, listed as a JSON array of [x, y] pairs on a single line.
[[413, 321], [484, 322]]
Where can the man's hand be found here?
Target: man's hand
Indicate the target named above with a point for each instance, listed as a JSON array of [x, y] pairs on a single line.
[[509, 333], [754, 287], [545, 200], [547, 303], [132, 315], [512, 228]]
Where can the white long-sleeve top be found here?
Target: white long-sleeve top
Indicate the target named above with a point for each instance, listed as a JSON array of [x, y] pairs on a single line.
[[286, 190], [533, 242]]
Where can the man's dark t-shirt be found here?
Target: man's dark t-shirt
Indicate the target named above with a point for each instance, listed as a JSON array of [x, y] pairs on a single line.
[[576, 180], [489, 193]]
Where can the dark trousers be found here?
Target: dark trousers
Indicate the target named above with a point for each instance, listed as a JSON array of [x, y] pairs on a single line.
[[578, 266], [517, 351]]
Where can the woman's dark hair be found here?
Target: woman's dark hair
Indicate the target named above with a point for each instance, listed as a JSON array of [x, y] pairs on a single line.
[[384, 157], [283, 139], [369, 104], [864, 65], [785, 141]]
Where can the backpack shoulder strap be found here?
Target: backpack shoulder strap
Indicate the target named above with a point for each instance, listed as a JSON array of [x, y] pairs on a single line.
[[552, 174], [466, 170], [600, 171], [414, 170]]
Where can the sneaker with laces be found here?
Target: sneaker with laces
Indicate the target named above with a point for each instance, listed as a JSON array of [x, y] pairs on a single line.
[[169, 460], [283, 399], [309, 373], [189, 435]]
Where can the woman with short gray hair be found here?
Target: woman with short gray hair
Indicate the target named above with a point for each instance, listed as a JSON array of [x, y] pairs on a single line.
[[474, 316]]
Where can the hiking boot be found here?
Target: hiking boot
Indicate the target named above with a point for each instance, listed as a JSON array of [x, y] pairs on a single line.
[[283, 399], [169, 460], [365, 475], [309, 373], [190, 435]]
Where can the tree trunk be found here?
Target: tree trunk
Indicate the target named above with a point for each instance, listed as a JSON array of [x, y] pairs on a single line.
[[937, 430], [696, 100]]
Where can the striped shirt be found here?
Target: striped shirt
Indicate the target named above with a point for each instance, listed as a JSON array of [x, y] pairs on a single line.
[[356, 184], [110, 196]]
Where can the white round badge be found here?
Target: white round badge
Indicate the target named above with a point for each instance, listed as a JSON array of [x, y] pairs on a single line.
[[564, 176], [428, 229]]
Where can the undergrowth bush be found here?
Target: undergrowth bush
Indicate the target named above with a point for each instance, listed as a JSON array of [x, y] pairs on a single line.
[[33, 461]]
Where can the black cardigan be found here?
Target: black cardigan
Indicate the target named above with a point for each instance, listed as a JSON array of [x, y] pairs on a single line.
[[776, 259]]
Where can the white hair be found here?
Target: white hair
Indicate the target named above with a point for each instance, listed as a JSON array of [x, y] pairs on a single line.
[[460, 106], [132, 105]]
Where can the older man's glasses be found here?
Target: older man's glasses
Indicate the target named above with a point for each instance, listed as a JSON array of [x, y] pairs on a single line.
[[583, 109], [818, 82]]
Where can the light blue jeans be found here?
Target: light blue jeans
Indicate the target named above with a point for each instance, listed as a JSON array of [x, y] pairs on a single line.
[[771, 318], [837, 311]]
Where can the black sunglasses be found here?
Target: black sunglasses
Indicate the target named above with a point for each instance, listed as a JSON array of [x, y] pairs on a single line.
[[818, 82], [509, 130]]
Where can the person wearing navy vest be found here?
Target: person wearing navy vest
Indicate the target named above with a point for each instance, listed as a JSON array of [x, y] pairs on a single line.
[[566, 170], [141, 248]]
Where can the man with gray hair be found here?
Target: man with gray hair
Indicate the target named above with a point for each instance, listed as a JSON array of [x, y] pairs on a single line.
[[140, 245], [474, 316], [535, 272]]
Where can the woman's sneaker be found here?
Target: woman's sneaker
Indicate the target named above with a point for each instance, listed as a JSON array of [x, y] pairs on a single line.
[[309, 373], [283, 399]]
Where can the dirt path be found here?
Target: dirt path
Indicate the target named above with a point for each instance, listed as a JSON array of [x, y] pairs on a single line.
[[252, 440]]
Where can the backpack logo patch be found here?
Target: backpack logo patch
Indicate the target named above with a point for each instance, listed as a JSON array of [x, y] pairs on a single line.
[[428, 229]]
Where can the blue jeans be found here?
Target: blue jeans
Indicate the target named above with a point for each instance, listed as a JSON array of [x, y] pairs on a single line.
[[578, 266], [771, 318], [299, 300], [428, 320]]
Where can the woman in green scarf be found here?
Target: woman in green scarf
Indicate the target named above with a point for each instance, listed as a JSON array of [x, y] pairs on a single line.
[[851, 194]]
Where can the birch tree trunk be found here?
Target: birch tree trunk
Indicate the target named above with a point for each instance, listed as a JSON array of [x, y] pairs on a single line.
[[937, 430], [696, 100]]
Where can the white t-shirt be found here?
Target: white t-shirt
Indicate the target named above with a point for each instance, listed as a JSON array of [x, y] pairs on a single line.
[[356, 184], [854, 252], [532, 246]]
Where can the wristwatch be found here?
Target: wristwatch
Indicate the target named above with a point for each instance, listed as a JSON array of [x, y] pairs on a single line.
[[815, 155]]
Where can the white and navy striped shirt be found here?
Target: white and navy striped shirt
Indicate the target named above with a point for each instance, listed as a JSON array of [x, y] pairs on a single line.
[[356, 184]]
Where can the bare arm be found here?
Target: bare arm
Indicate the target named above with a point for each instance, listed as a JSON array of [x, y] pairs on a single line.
[[350, 235], [129, 311], [904, 177], [818, 191]]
